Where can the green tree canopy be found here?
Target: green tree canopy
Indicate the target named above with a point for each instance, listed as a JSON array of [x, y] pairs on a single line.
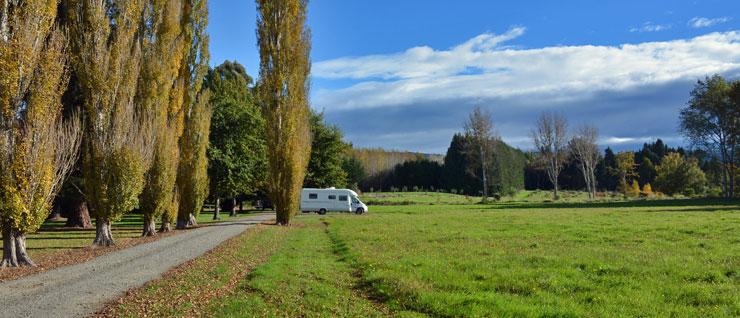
[[237, 152], [328, 152], [677, 175], [505, 168], [456, 173], [355, 171], [711, 120]]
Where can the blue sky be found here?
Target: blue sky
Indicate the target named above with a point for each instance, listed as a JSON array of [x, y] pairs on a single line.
[[404, 74]]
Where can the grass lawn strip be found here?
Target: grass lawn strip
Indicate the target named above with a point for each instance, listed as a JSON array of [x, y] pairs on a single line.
[[188, 289], [304, 278], [56, 246]]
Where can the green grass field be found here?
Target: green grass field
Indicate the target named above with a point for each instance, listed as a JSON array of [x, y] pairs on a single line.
[[557, 261], [669, 258]]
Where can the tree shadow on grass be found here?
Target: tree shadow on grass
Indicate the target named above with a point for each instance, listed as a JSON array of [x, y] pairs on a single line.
[[56, 248], [70, 237], [710, 204]]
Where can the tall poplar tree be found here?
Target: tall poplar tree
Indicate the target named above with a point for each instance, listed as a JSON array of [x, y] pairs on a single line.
[[192, 173], [118, 142], [285, 44], [37, 150], [163, 53]]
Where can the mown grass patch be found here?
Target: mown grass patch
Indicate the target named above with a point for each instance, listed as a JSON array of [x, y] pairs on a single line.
[[666, 259], [304, 278]]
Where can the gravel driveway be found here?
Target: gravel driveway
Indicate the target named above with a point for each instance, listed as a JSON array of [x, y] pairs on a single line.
[[80, 290]]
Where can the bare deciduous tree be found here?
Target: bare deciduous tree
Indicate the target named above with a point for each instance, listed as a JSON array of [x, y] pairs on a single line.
[[550, 140], [585, 150], [479, 129]]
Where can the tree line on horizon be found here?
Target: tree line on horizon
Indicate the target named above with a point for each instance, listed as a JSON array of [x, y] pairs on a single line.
[[574, 161]]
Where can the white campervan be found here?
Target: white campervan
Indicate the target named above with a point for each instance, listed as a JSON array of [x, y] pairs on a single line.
[[331, 199]]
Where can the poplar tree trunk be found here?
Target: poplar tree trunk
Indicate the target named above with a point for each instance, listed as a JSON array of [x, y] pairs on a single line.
[[181, 223], [20, 250], [78, 214], [9, 256], [217, 209], [149, 227], [233, 207], [166, 226], [186, 223], [103, 234]]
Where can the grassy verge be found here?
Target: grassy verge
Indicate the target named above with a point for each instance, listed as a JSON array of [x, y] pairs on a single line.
[[190, 288], [304, 278], [300, 275]]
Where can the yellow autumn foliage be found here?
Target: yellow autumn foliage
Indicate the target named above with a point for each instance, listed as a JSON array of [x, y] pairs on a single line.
[[192, 176], [119, 140], [284, 43], [159, 96], [36, 148]]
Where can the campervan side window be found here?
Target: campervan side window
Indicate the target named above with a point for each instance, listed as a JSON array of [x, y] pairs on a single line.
[[332, 197], [342, 198], [313, 196]]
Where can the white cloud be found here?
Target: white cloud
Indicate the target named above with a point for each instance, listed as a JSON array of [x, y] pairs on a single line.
[[699, 22], [421, 61], [651, 27], [558, 74], [417, 98]]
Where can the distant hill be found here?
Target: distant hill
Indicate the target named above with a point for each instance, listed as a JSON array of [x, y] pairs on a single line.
[[376, 160]]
